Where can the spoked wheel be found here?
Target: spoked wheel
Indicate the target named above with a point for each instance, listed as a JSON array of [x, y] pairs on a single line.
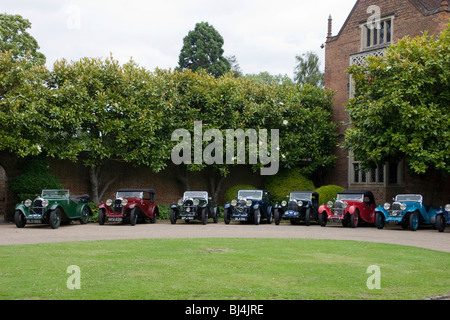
[[133, 217], [354, 219], [55, 218], [414, 221], [19, 219]]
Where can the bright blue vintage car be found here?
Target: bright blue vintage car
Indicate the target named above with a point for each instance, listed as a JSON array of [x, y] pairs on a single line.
[[442, 218], [407, 210]]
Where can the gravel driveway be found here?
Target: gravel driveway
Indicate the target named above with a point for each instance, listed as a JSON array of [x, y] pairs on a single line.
[[31, 234]]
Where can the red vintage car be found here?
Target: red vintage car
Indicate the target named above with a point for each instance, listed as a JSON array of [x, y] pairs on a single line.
[[129, 206], [352, 207]]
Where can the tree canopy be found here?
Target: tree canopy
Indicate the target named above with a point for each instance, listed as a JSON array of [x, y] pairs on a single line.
[[307, 70], [401, 106], [202, 49], [14, 37]]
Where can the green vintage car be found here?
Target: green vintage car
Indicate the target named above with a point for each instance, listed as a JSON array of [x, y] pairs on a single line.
[[52, 207]]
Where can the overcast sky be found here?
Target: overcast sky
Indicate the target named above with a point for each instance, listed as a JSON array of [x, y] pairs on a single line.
[[263, 35]]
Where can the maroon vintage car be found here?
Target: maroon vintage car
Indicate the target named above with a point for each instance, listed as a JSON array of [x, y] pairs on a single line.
[[129, 206], [351, 208]]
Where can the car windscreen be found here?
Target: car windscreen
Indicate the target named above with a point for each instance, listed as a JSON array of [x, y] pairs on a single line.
[[250, 194], [129, 194], [195, 195], [408, 197], [351, 196], [300, 196], [55, 193]]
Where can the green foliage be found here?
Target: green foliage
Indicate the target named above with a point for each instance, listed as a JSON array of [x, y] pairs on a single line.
[[282, 184], [233, 191], [15, 38], [328, 193], [401, 105], [202, 49], [36, 176], [307, 70]]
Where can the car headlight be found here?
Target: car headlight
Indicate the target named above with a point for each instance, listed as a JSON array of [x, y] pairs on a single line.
[[28, 203], [109, 202], [300, 203], [180, 202], [344, 204], [233, 203], [403, 206], [330, 204], [284, 203], [387, 206], [196, 202], [447, 207], [45, 203], [124, 202], [248, 203]]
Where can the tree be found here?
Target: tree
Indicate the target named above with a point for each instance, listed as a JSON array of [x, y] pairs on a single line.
[[102, 112], [271, 79], [202, 49], [400, 109], [307, 70], [14, 37]]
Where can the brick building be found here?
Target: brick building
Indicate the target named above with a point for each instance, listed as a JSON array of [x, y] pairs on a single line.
[[354, 42]]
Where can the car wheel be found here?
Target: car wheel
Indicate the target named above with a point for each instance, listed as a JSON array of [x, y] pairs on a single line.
[[257, 217], [379, 220], [55, 218], [323, 218], [19, 219], [133, 217], [227, 216], [270, 217], [85, 215], [216, 215], [414, 221], [308, 217], [204, 216], [173, 216], [276, 216], [101, 216], [440, 223], [354, 219]]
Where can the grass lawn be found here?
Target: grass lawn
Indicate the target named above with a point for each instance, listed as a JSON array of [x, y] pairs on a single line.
[[222, 269]]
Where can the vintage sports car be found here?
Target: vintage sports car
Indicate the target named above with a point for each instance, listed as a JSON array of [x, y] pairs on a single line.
[[351, 207], [195, 205], [301, 206], [442, 218], [250, 206], [407, 210], [52, 207], [129, 206]]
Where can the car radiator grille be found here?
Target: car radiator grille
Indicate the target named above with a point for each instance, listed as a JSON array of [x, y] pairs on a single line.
[[396, 206], [118, 206], [37, 207], [292, 205]]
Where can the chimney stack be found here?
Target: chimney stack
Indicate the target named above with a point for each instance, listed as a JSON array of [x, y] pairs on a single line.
[[330, 24]]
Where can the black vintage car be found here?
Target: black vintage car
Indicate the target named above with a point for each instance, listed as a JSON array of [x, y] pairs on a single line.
[[250, 206], [195, 205], [301, 206]]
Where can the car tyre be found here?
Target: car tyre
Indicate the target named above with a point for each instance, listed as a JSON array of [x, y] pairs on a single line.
[[354, 219], [204, 216], [173, 216], [440, 223], [379, 220], [257, 217], [308, 217], [414, 221], [216, 215], [227, 216], [55, 218], [276, 216], [133, 217], [19, 219], [101, 216], [323, 218], [85, 215]]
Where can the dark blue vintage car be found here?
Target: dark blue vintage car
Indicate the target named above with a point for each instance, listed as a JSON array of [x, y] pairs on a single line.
[[442, 218], [407, 210], [249, 206], [301, 206]]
